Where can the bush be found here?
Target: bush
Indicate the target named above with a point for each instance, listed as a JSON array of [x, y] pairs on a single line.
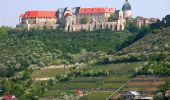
[[84, 20], [112, 18], [26, 75]]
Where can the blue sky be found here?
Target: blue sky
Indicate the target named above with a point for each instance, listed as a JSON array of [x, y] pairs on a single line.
[[10, 9]]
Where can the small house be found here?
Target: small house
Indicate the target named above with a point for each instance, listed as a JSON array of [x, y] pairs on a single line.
[[132, 95], [167, 94], [146, 98], [9, 97], [79, 93]]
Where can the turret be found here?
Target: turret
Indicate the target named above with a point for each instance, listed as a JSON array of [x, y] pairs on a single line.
[[127, 10]]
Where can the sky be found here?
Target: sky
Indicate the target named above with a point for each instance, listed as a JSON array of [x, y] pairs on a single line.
[[11, 9]]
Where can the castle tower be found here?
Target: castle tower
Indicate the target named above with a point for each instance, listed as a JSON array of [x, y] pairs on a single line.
[[127, 10]]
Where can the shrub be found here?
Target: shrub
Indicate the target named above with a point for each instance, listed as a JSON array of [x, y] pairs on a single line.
[[84, 20]]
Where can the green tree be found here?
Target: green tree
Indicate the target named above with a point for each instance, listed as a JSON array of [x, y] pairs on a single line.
[[84, 20], [166, 21], [112, 18], [157, 25], [26, 75], [132, 27]]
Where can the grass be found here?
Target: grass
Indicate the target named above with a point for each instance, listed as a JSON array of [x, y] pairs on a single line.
[[75, 85], [88, 79], [111, 85], [118, 69], [117, 79], [53, 93], [109, 79], [123, 70], [48, 73], [148, 43], [97, 96]]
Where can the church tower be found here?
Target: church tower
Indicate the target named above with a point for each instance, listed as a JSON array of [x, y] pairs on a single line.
[[127, 10]]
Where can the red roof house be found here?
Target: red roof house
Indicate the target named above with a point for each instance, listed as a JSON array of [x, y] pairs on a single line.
[[9, 97], [167, 93], [80, 93], [96, 10], [39, 14]]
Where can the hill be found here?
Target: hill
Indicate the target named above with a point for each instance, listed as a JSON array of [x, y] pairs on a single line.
[[152, 42], [21, 48]]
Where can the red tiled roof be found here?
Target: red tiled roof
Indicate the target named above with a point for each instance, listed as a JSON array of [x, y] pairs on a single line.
[[21, 15], [9, 97], [68, 14], [79, 92], [96, 10], [168, 91], [39, 14]]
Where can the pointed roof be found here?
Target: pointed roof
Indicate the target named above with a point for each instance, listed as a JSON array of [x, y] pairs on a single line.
[[126, 6]]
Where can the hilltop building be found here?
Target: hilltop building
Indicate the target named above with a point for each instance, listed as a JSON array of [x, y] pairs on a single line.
[[77, 19], [127, 10], [140, 21], [38, 19]]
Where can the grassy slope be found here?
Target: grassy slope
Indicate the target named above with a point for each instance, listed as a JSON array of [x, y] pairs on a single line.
[[151, 43], [48, 73], [36, 44], [89, 83], [97, 96], [121, 68]]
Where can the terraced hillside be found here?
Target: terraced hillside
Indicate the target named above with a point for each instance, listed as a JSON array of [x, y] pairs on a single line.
[[152, 42], [95, 88], [146, 85]]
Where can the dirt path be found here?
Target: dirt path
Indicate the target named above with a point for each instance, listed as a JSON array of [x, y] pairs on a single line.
[[42, 79], [57, 66]]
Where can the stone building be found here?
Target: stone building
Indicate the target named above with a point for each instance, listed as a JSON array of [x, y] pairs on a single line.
[[38, 19], [140, 21], [97, 18], [127, 10], [70, 19]]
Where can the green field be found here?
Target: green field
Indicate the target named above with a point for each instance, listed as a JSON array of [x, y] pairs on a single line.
[[119, 69], [97, 96], [105, 86], [56, 93], [48, 73], [75, 85], [111, 85], [118, 79]]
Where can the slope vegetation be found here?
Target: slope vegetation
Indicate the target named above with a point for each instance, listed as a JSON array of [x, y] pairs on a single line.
[[152, 42]]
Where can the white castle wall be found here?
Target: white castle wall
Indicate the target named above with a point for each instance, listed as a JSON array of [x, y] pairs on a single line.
[[92, 27]]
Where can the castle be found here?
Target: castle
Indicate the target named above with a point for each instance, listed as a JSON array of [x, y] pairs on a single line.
[[77, 18]]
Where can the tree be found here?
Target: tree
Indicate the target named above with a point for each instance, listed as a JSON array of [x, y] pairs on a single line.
[[26, 75], [166, 21], [131, 27], [159, 57], [3, 70], [84, 20], [156, 25], [112, 18], [7, 86]]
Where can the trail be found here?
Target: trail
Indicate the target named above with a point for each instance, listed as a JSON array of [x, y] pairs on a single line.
[[118, 90]]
